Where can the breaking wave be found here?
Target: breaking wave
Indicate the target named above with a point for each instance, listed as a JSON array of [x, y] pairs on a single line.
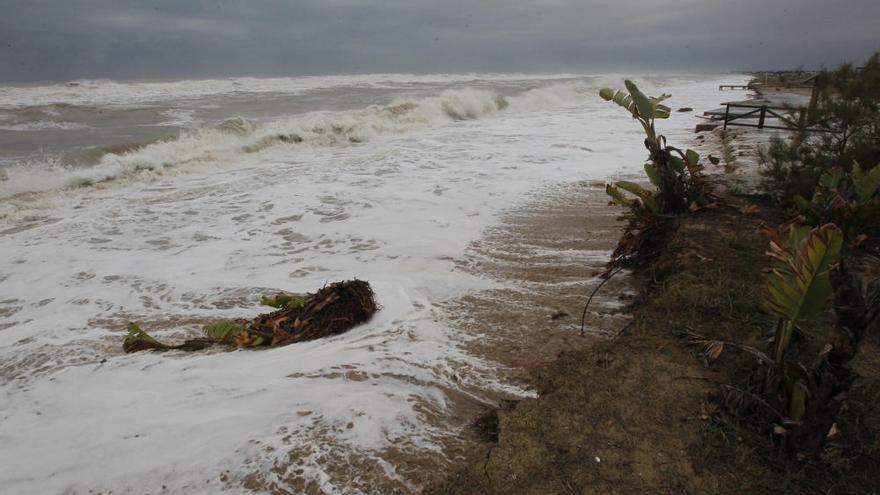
[[41, 118], [227, 143], [105, 92]]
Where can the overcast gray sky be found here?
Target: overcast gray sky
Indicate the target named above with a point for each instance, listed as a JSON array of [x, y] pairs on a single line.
[[70, 39]]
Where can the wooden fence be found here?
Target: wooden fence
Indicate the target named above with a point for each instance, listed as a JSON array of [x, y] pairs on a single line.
[[790, 119]]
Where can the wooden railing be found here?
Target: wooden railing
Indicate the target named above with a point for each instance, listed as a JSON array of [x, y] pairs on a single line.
[[791, 119]]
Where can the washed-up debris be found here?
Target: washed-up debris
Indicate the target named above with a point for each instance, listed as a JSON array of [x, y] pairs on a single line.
[[139, 340], [334, 309]]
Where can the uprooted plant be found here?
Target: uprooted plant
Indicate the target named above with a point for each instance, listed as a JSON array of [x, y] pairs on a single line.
[[676, 175], [332, 310]]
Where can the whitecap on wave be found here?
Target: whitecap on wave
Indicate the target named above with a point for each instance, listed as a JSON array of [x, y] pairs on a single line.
[[224, 144]]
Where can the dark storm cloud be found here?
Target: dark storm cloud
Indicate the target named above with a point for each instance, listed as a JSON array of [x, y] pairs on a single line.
[[41, 40]]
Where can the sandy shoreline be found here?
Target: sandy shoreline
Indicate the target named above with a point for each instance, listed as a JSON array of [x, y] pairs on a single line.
[[547, 257], [654, 410], [544, 258]]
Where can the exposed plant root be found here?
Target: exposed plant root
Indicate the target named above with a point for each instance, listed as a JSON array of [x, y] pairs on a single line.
[[332, 310], [605, 278]]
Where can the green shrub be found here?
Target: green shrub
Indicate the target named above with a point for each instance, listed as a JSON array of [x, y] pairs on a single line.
[[849, 199], [676, 175], [848, 108]]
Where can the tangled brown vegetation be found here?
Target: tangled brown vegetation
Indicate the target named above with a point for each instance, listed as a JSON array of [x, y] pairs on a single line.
[[334, 309]]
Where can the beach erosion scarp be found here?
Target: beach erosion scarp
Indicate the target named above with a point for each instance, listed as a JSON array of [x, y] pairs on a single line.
[[662, 405]]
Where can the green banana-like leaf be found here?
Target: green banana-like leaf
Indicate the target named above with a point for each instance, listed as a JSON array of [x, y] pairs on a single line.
[[627, 101], [830, 179], [648, 198], [785, 241], [801, 204], [633, 188], [651, 171], [676, 162], [801, 287], [866, 184], [139, 340], [796, 236], [223, 330], [692, 157], [285, 300], [643, 103], [661, 111], [797, 401], [617, 197], [619, 97]]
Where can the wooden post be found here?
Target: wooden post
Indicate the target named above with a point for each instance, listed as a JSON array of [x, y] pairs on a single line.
[[762, 116], [726, 114], [814, 100]]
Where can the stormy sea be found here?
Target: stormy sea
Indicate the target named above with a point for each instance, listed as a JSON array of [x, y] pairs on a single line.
[[176, 203]]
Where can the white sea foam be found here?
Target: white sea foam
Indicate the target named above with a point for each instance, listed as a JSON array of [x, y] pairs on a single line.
[[174, 250], [179, 118]]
